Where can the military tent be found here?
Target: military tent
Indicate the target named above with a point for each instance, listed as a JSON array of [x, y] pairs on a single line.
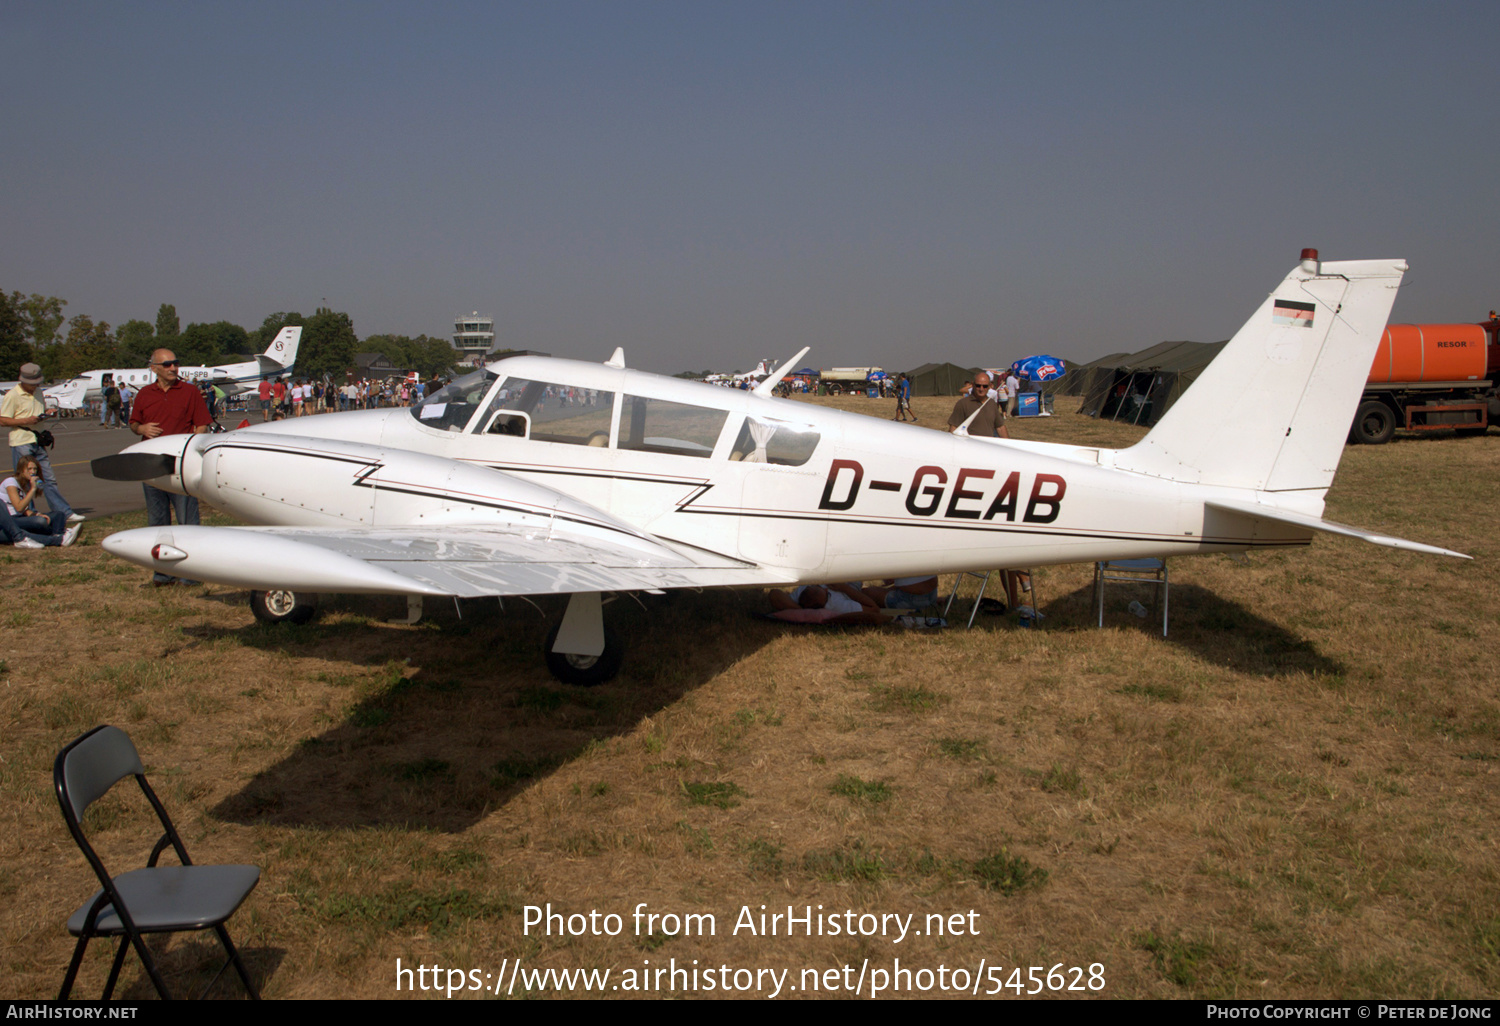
[[1139, 387], [938, 378], [1075, 382]]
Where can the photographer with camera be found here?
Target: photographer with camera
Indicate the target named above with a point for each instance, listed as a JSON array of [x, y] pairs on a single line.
[[20, 411]]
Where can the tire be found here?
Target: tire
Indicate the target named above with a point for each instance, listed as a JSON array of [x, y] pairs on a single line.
[[282, 606], [1374, 423], [835, 390], [585, 671]]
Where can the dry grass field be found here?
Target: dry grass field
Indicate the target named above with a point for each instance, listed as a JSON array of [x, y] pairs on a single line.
[[1294, 796]]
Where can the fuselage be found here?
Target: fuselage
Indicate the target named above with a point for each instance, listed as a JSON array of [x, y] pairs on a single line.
[[819, 493]]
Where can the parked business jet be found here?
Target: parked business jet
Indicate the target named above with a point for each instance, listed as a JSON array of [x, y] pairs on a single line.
[[538, 475], [279, 358]]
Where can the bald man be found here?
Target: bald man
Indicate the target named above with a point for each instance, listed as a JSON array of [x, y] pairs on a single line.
[[991, 420], [169, 406]]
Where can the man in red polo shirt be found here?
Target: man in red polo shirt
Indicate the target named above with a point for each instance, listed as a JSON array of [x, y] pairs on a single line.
[[168, 407]]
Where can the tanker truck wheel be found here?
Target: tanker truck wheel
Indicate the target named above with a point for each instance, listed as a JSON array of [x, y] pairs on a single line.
[[1374, 423]]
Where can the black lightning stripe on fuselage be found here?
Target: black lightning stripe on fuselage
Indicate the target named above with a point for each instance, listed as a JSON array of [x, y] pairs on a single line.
[[687, 506]]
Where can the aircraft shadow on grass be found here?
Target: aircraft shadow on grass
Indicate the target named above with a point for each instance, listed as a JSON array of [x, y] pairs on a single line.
[[446, 722], [1215, 629]]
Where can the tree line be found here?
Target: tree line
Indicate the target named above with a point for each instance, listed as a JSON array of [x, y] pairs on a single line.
[[32, 331]]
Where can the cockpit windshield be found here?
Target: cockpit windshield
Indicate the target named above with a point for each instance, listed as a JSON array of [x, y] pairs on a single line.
[[450, 407]]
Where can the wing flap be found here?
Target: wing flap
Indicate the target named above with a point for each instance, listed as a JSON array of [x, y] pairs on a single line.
[[1257, 510]]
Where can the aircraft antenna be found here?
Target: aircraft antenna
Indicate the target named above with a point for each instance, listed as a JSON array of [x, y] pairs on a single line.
[[764, 388], [963, 429]]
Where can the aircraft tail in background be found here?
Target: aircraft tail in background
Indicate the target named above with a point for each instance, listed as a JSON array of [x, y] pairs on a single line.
[[281, 354]]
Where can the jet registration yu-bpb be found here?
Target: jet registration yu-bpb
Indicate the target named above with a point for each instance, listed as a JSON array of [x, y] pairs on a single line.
[[548, 476]]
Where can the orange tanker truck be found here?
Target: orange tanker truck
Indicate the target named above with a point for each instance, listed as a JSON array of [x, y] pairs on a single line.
[[1431, 376]]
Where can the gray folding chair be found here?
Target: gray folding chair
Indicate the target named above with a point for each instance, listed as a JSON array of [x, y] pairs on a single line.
[[155, 899], [1133, 571]]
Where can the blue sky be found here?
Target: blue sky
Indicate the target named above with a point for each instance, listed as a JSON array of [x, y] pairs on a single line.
[[711, 183]]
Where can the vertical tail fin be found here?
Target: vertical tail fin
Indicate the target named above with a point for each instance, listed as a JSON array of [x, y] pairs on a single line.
[[1272, 411], [283, 349]]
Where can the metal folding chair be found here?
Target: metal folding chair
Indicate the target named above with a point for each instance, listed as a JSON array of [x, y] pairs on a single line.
[[1133, 571], [984, 582], [154, 899]]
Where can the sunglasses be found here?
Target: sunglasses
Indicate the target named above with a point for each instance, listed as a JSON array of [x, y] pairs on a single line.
[[169, 363]]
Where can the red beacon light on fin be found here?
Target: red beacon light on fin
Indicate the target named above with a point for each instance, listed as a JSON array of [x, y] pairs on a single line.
[[1310, 261]]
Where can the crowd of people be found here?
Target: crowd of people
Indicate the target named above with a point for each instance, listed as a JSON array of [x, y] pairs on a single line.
[[284, 397]]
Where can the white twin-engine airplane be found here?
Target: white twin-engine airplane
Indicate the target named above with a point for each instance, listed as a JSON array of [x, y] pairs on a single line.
[[537, 476], [278, 359]]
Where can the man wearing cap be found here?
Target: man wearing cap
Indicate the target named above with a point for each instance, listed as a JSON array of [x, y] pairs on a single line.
[[20, 411], [168, 407]]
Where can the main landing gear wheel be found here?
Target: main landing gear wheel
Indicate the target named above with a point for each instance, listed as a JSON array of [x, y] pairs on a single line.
[[585, 671], [1374, 423], [283, 606]]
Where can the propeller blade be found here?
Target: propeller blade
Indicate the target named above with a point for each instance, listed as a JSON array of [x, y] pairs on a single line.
[[134, 466]]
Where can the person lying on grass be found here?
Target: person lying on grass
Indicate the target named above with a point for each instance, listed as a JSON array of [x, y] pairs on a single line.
[[825, 603]]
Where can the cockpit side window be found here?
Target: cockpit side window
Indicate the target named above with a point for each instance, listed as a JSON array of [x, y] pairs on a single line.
[[655, 425], [451, 407], [773, 441], [556, 412]]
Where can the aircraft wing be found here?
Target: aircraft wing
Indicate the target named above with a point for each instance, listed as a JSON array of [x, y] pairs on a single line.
[[1257, 510], [467, 561]]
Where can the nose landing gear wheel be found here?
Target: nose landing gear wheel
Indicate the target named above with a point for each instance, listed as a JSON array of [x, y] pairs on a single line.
[[283, 606], [581, 670]]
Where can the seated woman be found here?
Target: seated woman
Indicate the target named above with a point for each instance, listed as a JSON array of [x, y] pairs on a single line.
[[21, 524]]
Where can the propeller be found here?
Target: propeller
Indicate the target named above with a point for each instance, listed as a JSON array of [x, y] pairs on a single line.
[[134, 466]]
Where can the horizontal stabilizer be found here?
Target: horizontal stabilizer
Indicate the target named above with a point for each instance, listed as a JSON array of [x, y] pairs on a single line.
[[1255, 509]]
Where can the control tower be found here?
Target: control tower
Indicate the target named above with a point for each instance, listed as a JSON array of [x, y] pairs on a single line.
[[473, 337]]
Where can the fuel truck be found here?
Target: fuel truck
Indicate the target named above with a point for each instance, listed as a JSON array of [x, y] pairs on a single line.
[[1431, 376]]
